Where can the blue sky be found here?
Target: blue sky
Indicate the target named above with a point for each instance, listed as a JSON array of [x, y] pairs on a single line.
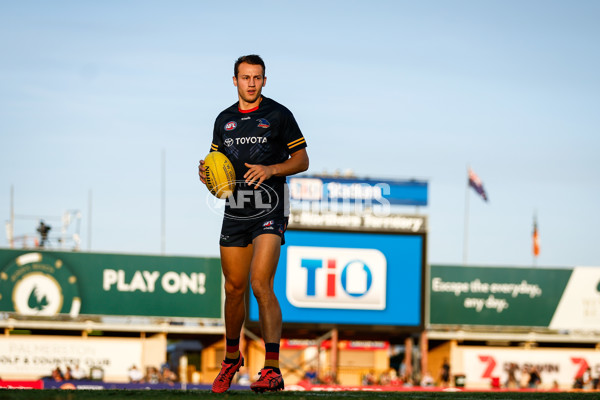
[[93, 92]]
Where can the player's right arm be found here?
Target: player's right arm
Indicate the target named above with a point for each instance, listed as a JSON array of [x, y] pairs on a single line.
[[214, 146], [202, 172]]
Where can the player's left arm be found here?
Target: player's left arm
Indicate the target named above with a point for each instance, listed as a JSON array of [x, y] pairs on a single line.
[[298, 162]]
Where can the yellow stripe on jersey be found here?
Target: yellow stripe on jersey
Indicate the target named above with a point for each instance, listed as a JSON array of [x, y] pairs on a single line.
[[296, 142], [214, 147]]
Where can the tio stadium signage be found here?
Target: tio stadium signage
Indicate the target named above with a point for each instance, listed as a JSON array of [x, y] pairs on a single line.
[[383, 192], [363, 279], [322, 277], [352, 258], [397, 223]]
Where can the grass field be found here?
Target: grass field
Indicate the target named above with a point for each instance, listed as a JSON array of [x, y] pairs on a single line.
[[12, 394]]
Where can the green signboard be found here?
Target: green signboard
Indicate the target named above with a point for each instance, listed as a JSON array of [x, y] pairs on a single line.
[[47, 283], [496, 296]]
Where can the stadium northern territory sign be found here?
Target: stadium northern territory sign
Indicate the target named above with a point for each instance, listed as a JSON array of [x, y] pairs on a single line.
[[364, 222], [47, 284], [553, 298], [350, 278], [370, 192]]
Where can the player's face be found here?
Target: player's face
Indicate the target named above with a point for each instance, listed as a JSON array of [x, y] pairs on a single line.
[[249, 82]]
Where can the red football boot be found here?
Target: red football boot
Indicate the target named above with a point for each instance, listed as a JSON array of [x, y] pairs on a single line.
[[223, 380], [268, 381]]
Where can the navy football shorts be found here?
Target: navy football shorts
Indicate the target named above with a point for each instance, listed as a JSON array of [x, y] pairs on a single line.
[[241, 233]]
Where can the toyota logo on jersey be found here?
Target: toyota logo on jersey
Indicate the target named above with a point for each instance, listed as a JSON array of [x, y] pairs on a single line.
[[339, 278]]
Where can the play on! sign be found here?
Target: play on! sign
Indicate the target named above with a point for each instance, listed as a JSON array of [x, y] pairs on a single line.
[[339, 278]]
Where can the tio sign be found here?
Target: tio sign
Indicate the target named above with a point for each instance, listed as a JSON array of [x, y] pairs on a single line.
[[338, 278]]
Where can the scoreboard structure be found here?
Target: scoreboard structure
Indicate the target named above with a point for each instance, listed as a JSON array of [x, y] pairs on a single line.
[[354, 258]]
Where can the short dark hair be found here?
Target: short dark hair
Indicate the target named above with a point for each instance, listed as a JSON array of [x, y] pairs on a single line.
[[252, 59]]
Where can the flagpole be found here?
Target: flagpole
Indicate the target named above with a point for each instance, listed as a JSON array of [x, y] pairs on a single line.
[[535, 238], [163, 219], [466, 227], [11, 240]]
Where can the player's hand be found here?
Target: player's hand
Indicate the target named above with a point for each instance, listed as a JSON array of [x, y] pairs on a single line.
[[257, 174], [201, 172]]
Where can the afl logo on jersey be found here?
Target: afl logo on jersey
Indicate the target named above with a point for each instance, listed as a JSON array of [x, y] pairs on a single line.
[[231, 125]]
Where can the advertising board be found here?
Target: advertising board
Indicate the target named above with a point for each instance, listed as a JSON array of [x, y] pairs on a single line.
[[555, 366], [350, 278], [553, 298], [32, 356], [47, 284], [350, 190]]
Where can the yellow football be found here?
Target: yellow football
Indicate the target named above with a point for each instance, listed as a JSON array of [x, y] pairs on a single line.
[[220, 175]]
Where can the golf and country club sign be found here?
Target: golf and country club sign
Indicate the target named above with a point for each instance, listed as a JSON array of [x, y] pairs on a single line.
[[553, 298], [48, 284]]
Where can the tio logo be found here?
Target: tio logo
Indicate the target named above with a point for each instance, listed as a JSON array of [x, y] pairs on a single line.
[[328, 277]]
